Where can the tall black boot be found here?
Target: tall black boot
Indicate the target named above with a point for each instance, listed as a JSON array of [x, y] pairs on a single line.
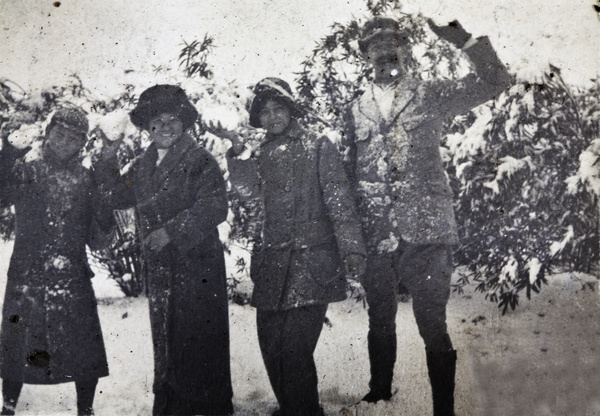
[[442, 369], [382, 357]]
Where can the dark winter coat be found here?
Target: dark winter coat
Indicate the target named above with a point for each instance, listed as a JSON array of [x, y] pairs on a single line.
[[310, 222], [50, 328], [396, 167], [185, 195]]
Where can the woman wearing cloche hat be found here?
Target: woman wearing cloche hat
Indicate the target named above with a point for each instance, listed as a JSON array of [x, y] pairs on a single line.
[[179, 196], [311, 239]]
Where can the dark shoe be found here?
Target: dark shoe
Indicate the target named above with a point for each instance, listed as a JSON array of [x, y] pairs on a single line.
[[88, 411], [442, 370], [7, 410], [374, 396]]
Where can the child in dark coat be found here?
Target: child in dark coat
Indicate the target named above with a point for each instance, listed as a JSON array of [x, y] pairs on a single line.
[[50, 328]]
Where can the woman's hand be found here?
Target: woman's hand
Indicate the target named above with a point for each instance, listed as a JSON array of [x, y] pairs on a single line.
[[157, 240], [237, 145]]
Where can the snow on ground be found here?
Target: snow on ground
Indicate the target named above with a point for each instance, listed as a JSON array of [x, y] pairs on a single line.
[[542, 359]]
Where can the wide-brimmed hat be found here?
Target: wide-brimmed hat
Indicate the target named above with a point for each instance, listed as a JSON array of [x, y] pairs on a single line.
[[71, 118], [272, 89], [380, 28], [163, 99]]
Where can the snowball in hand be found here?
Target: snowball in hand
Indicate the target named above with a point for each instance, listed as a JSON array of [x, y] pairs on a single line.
[[25, 135], [114, 125]]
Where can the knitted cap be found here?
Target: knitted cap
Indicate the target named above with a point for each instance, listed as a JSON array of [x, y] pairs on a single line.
[[71, 118], [272, 89], [379, 28], [163, 99]]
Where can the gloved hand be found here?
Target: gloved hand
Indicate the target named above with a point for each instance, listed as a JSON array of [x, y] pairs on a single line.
[[355, 265], [453, 33]]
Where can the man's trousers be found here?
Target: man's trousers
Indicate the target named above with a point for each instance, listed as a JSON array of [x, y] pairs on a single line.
[[425, 270]]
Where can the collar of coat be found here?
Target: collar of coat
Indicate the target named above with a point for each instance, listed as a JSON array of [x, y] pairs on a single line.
[[404, 93], [174, 155], [294, 131]]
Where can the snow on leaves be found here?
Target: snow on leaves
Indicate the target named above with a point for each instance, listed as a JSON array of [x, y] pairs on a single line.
[[526, 174]]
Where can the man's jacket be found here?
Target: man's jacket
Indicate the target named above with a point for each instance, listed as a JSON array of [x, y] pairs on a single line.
[[395, 164]]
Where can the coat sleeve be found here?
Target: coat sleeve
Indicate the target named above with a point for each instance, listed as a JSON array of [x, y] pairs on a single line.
[[114, 189], [7, 162], [208, 207], [10, 173], [339, 201], [489, 80]]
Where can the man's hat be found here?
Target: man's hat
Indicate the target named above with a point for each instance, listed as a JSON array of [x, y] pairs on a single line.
[[379, 28], [163, 99], [70, 118], [272, 89]]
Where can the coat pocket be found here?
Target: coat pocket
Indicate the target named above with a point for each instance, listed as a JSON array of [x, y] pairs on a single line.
[[324, 264], [269, 265]]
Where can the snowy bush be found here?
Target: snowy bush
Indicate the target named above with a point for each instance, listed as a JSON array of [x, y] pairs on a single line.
[[519, 209]]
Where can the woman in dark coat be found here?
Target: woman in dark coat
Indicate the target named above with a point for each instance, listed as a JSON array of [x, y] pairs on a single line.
[[311, 240], [180, 198], [50, 328]]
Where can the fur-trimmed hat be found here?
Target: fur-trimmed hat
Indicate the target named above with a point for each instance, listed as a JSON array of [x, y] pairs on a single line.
[[70, 118], [272, 89], [381, 27], [163, 99]]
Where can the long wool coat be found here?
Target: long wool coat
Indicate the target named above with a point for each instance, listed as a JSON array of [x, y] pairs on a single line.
[[395, 163], [50, 328], [185, 194], [310, 221]]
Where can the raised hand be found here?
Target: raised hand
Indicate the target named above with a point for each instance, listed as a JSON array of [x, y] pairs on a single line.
[[218, 130], [110, 148], [453, 33]]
